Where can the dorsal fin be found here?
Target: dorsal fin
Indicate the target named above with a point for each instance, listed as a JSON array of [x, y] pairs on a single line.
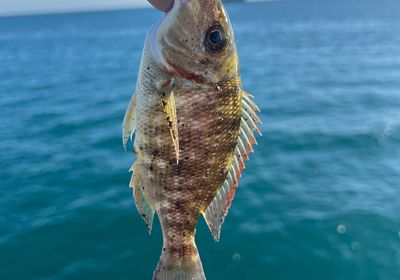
[[218, 208], [142, 205]]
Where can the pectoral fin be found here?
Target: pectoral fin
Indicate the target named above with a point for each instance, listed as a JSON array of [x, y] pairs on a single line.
[[169, 108], [128, 125]]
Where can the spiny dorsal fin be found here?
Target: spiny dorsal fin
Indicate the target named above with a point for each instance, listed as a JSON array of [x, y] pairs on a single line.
[[128, 125], [142, 205], [169, 107], [218, 208]]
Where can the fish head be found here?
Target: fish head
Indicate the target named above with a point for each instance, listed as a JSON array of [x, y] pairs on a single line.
[[194, 41]]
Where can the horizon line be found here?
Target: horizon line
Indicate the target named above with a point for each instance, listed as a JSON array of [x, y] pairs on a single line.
[[103, 9], [73, 11]]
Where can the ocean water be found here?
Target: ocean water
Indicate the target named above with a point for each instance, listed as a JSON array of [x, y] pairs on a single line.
[[319, 199]]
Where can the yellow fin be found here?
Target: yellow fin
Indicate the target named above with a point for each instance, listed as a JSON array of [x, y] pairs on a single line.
[[128, 125], [142, 205], [169, 108]]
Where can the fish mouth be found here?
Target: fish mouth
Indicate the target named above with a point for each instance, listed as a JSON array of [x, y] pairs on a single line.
[[156, 36], [158, 39]]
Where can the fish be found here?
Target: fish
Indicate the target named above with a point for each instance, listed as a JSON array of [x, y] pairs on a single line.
[[194, 128]]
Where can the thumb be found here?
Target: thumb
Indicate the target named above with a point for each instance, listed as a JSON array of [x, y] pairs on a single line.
[[162, 5]]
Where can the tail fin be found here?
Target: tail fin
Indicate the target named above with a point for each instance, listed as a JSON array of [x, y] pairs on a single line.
[[186, 266]]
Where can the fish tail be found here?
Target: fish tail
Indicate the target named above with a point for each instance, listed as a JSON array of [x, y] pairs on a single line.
[[181, 263]]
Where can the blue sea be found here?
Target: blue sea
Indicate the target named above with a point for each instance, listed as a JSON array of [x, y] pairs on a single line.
[[318, 200]]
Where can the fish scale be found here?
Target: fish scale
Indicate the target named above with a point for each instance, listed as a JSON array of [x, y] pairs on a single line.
[[193, 132]]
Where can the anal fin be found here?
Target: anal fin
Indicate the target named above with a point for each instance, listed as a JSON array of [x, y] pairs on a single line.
[[142, 205]]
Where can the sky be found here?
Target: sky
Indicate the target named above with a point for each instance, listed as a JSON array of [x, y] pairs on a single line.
[[14, 7]]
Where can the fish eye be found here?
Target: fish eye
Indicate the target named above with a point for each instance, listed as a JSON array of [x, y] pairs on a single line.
[[215, 40]]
